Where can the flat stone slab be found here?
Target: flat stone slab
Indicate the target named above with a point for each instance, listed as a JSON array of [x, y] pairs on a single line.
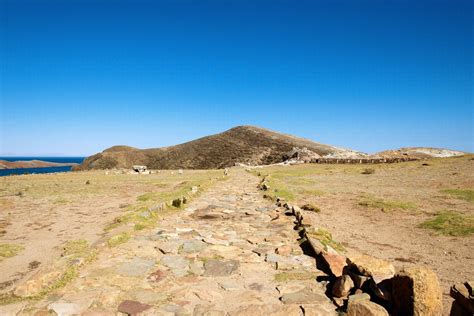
[[136, 267], [304, 296], [215, 267], [132, 307], [174, 261], [190, 246]]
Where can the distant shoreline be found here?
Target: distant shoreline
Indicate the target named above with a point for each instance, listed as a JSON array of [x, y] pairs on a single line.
[[23, 164]]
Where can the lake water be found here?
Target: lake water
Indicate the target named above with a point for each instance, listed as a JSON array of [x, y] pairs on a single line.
[[7, 172]]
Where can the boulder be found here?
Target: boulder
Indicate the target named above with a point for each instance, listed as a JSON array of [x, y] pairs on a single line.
[[377, 269], [416, 291], [365, 308], [342, 286]]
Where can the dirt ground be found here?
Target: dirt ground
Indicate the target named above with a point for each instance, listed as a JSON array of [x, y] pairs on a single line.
[[380, 212], [41, 213]]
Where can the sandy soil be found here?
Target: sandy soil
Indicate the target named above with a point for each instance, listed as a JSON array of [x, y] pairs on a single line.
[[391, 234], [42, 212]]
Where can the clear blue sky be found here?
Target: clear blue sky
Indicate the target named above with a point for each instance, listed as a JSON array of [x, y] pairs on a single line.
[[80, 76]]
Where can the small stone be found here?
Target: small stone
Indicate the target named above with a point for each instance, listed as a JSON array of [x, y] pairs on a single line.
[[365, 308], [416, 291], [132, 307], [342, 286], [335, 263]]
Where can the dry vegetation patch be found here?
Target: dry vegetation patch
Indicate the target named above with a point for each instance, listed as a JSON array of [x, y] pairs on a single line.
[[451, 223]]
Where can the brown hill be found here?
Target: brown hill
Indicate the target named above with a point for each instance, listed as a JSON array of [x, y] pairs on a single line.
[[242, 144]]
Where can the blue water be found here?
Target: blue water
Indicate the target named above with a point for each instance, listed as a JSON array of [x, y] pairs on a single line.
[[7, 172]]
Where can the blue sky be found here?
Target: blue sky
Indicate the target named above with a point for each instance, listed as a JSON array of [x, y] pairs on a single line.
[[80, 76]]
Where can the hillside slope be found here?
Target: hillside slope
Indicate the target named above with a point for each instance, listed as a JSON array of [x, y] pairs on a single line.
[[419, 153], [242, 144]]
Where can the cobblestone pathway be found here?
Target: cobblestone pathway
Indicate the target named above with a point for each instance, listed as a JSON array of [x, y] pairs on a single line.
[[230, 252]]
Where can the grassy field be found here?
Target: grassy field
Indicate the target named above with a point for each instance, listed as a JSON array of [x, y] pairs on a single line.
[[419, 212], [46, 216]]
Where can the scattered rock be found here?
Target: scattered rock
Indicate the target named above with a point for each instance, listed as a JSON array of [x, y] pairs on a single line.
[[342, 286], [365, 308], [132, 307], [416, 291], [366, 265]]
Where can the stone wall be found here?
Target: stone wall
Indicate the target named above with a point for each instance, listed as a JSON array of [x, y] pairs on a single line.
[[364, 285], [361, 160]]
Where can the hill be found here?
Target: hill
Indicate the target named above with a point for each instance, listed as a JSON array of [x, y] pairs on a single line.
[[419, 153], [243, 144]]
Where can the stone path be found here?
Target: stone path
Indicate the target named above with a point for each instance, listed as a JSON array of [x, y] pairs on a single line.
[[230, 252]]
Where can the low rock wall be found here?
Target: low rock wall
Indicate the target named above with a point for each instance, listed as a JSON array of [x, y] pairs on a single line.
[[361, 160]]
